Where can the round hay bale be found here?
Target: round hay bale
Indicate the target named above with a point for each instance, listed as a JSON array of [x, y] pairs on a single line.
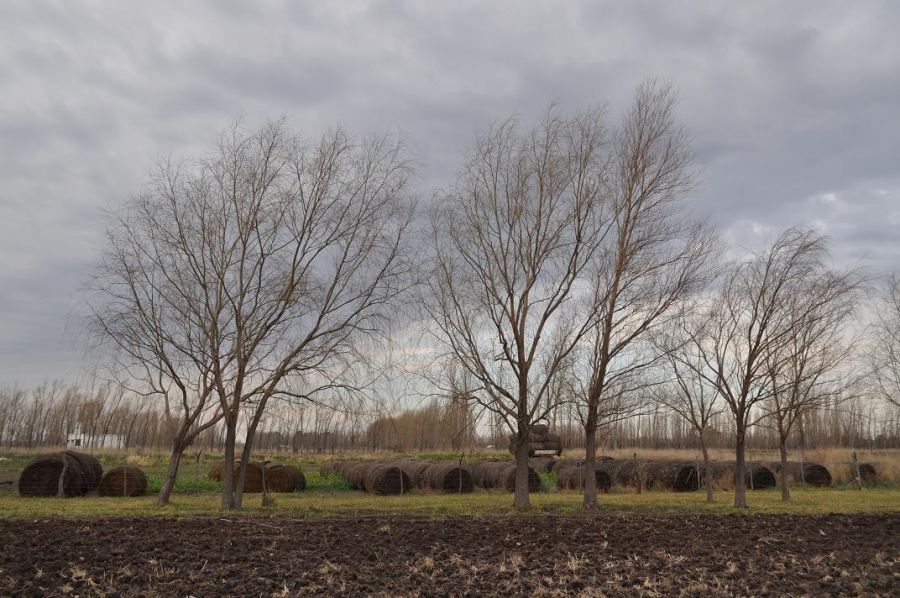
[[813, 474], [449, 478], [671, 475], [414, 470], [124, 480], [215, 471], [486, 473], [284, 478], [867, 472], [571, 477], [506, 478], [385, 478], [756, 477], [93, 471], [41, 477]]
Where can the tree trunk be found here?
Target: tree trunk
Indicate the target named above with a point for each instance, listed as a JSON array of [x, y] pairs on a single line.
[[590, 460], [785, 491], [521, 500], [740, 486], [165, 493], [228, 465], [707, 470]]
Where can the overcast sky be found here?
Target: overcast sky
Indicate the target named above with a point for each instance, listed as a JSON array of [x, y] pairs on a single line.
[[794, 110]]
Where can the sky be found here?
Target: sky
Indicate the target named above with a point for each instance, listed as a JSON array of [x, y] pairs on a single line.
[[793, 110]]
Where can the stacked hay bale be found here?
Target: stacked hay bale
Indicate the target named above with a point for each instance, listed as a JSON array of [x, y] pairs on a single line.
[[571, 475], [541, 441], [813, 474], [253, 478], [66, 472], [124, 480]]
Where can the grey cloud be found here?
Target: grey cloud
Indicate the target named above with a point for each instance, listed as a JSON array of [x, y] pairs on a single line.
[[786, 104]]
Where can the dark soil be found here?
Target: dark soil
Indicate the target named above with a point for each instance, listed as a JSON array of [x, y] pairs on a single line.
[[525, 555]]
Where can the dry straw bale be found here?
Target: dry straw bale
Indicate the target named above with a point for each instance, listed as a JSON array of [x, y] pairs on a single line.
[[124, 480]]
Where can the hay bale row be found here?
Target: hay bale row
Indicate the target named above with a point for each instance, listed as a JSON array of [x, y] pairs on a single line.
[[571, 476], [671, 476], [443, 476], [500, 475], [124, 480], [813, 474], [74, 473]]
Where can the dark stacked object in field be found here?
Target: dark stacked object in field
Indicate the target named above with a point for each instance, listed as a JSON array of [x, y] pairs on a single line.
[[284, 478], [756, 477], [124, 480], [541, 442], [805, 473], [81, 473], [501, 474], [375, 477], [571, 474]]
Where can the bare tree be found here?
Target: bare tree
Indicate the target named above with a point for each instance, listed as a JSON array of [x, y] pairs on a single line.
[[651, 258], [885, 354], [689, 394], [749, 319], [808, 369], [249, 274], [510, 240]]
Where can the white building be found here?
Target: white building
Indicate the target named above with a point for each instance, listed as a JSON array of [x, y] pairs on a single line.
[[79, 439]]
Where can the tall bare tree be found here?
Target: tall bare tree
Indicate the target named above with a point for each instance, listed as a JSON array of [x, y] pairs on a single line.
[[809, 369], [885, 352], [749, 319], [652, 257], [250, 273], [510, 242], [689, 394]]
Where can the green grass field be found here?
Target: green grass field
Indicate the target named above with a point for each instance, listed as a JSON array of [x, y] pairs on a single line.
[[195, 494]]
